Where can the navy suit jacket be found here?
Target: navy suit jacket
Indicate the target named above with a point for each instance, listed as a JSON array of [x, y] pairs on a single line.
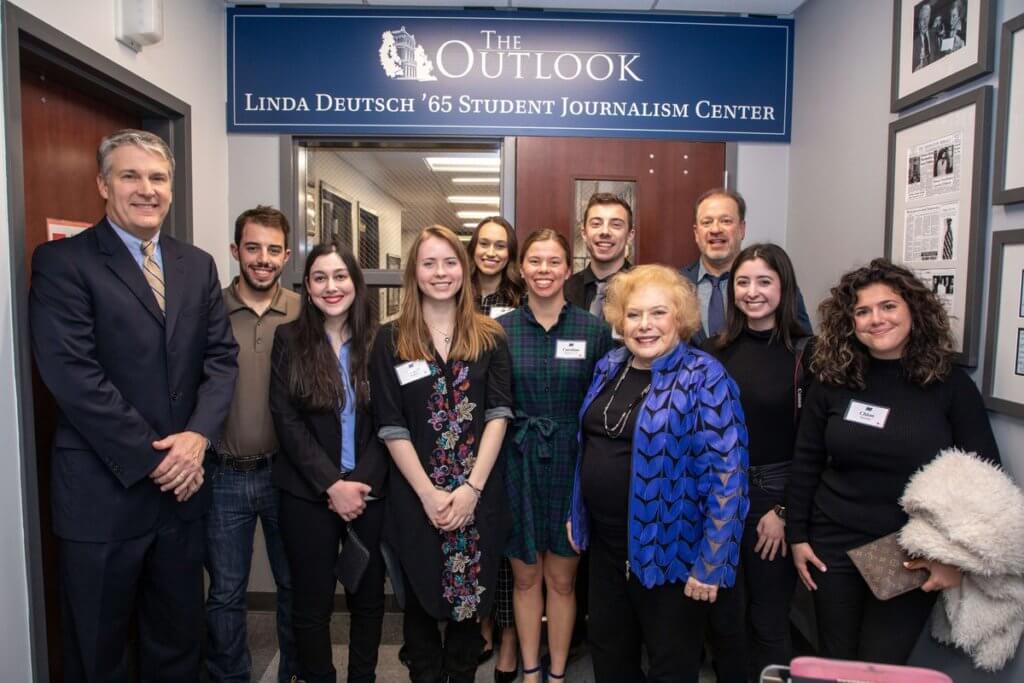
[[692, 272], [125, 375]]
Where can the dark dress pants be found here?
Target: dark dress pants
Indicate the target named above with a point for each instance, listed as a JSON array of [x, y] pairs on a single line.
[[749, 626], [312, 535], [156, 577], [854, 624], [431, 660], [625, 616]]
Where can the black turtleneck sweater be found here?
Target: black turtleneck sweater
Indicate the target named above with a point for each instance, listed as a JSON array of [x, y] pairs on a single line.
[[854, 474], [763, 369]]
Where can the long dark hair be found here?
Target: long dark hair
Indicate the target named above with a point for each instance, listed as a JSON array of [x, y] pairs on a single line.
[[841, 359], [511, 287], [787, 325], [313, 377]]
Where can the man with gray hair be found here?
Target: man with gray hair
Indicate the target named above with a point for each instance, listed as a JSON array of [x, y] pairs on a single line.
[[131, 337]]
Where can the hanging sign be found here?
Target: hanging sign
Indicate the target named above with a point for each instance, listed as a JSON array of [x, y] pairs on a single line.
[[351, 72]]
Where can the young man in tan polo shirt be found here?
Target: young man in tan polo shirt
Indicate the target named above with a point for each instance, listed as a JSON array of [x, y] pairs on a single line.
[[242, 491]]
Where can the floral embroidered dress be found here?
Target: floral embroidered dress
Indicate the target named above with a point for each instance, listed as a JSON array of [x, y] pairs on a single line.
[[443, 414]]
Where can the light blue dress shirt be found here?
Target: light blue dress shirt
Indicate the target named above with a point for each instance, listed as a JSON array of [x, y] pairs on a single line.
[[347, 414], [134, 245]]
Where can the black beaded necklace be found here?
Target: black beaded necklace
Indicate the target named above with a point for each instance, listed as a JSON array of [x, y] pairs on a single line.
[[615, 431]]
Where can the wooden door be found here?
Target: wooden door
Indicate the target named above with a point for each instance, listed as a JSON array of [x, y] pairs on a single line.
[[664, 177], [61, 128]]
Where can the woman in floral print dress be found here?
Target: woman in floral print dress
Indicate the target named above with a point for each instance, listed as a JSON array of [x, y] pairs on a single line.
[[440, 386]]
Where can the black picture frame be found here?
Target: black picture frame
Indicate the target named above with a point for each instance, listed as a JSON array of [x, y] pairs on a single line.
[[393, 262], [1000, 301], [903, 57], [336, 215], [1001, 194], [968, 272]]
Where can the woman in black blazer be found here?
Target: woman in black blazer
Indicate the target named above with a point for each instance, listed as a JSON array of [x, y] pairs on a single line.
[[333, 468]]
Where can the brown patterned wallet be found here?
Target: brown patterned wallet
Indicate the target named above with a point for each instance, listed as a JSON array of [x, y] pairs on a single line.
[[881, 564]]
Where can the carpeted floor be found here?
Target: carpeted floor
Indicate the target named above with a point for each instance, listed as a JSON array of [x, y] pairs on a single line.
[[263, 645]]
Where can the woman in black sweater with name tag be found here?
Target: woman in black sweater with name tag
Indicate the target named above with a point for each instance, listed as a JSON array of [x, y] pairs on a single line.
[[887, 398], [762, 348]]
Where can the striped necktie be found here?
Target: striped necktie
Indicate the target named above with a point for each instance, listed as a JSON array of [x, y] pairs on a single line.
[[151, 269]]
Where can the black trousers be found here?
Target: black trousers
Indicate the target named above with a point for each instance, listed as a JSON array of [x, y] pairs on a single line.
[[625, 616], [749, 626], [312, 534], [854, 624], [430, 658], [157, 577]]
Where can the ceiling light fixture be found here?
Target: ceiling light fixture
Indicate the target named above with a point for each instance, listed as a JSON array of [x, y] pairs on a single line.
[[478, 215], [474, 199], [481, 180]]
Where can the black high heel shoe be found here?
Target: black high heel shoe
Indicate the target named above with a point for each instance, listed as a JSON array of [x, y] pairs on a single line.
[[505, 676], [535, 670]]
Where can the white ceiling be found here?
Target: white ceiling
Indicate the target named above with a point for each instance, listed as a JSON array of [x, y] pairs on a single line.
[[771, 7]]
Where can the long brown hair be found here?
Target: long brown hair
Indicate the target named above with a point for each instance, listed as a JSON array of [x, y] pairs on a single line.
[[787, 327], [511, 286], [839, 357], [313, 377], [474, 333]]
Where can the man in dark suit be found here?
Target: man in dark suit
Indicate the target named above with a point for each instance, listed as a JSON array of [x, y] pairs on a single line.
[[719, 228], [607, 231], [131, 337]]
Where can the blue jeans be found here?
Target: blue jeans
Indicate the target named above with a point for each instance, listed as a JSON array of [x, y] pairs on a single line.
[[238, 499]]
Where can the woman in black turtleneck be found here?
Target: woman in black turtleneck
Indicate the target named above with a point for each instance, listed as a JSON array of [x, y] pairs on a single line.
[[761, 348], [885, 400]]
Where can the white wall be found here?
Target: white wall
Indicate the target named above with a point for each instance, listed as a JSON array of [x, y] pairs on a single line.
[[762, 177], [15, 651], [190, 63], [838, 156]]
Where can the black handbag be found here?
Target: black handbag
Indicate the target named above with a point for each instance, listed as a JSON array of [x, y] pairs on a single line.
[[352, 561]]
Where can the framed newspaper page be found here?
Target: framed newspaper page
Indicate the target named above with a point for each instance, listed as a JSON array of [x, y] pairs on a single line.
[[1008, 185], [935, 205], [937, 44], [1003, 382]]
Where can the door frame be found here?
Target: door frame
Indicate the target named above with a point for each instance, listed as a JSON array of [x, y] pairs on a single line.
[[161, 113]]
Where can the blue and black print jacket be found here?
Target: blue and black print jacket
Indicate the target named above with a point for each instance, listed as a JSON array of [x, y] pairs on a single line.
[[688, 489]]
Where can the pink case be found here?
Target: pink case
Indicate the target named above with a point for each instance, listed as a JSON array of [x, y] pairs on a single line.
[[806, 669]]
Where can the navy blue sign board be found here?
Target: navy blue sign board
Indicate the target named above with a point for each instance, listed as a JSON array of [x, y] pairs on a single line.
[[351, 72]]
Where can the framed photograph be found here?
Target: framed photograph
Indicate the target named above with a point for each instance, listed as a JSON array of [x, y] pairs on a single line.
[[1008, 186], [935, 206], [1003, 381], [393, 293], [336, 215], [937, 44]]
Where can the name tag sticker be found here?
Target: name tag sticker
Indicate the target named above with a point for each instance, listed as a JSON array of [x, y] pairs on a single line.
[[412, 371], [867, 414], [498, 311], [571, 349]]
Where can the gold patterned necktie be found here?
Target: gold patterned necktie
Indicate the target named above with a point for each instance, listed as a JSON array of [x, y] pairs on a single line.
[[154, 276]]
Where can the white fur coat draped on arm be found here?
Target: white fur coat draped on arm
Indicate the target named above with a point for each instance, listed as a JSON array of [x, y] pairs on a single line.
[[967, 512]]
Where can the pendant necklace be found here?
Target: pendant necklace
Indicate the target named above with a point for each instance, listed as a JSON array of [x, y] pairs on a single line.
[[615, 431], [445, 335]]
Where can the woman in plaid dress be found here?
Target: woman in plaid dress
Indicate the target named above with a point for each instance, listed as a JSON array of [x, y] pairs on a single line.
[[554, 347], [498, 289]]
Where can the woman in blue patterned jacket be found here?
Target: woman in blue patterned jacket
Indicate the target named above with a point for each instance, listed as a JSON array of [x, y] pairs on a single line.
[[660, 491]]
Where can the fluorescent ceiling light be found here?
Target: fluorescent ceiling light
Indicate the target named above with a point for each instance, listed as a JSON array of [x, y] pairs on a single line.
[[464, 164], [474, 199], [478, 215], [480, 180], [469, 225]]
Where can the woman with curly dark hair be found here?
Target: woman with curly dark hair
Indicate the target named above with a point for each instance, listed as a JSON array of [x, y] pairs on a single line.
[[887, 398]]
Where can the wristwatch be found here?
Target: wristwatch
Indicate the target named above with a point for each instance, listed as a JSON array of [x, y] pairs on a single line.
[[780, 510]]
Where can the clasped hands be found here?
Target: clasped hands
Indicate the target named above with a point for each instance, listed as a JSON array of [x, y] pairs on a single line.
[[450, 510], [181, 469]]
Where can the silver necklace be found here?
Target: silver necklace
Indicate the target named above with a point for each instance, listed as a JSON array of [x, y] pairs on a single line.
[[615, 431], [445, 335]]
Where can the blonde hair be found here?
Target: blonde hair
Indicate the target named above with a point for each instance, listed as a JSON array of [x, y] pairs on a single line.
[[681, 292], [474, 333]]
